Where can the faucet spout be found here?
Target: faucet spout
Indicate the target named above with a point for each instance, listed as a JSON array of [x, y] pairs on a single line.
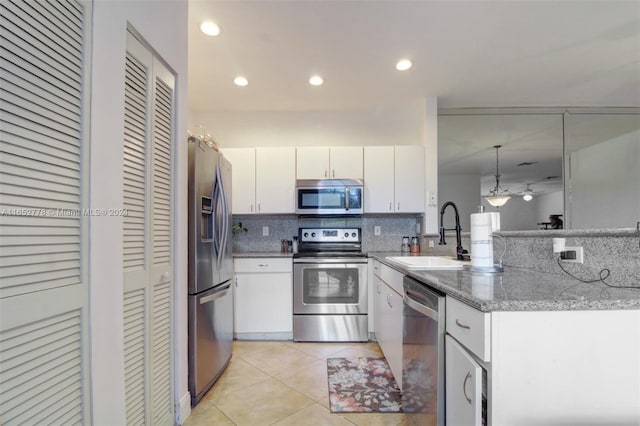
[[461, 253]]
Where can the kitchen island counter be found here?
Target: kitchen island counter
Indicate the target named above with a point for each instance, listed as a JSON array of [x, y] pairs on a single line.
[[520, 289]]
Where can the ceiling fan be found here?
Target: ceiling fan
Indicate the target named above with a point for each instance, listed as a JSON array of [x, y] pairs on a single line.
[[528, 193]]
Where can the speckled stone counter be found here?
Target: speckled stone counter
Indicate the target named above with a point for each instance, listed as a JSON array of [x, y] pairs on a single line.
[[519, 289], [263, 254]]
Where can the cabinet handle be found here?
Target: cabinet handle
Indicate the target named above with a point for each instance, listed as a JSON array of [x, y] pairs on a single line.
[[251, 208], [333, 173], [461, 325], [236, 281], [390, 205], [398, 206], [259, 207], [464, 387], [389, 300], [263, 264], [325, 172], [378, 288]]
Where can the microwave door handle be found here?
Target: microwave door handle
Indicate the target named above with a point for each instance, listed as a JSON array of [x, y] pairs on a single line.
[[346, 196]]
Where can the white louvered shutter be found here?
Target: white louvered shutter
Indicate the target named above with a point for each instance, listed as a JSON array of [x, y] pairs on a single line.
[[147, 237], [137, 127], [43, 274], [162, 243]]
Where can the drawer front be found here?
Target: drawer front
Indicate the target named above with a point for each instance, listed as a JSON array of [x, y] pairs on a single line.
[[392, 278], [470, 327], [263, 264]]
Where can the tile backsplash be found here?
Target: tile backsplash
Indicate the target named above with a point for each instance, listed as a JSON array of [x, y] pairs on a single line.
[[284, 227]]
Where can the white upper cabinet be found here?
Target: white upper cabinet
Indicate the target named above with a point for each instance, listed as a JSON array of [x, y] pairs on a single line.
[[243, 192], [409, 179], [378, 179], [342, 162], [263, 179], [394, 179], [275, 180]]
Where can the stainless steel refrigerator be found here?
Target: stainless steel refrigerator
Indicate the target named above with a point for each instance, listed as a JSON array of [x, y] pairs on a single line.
[[210, 267]]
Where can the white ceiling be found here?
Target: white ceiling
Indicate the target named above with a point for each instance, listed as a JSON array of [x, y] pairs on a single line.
[[481, 53], [467, 53]]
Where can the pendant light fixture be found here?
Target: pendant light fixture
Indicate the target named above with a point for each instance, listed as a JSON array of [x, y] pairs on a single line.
[[498, 197]]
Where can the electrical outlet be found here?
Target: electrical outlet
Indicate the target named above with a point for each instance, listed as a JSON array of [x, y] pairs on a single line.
[[418, 228], [432, 198], [432, 244], [376, 230], [265, 231], [572, 255]]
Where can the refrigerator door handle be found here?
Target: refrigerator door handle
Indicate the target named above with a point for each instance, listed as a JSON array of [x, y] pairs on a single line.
[[214, 296], [221, 228], [216, 229], [225, 221]]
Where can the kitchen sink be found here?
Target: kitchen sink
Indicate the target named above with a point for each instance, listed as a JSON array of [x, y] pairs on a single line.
[[427, 262]]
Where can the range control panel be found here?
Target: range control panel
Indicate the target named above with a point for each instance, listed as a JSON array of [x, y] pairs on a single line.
[[330, 235]]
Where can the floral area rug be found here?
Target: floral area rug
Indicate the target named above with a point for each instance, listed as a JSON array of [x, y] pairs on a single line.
[[362, 385]]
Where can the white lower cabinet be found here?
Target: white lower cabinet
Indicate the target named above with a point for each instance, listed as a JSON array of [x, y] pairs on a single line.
[[263, 298], [388, 316], [464, 379]]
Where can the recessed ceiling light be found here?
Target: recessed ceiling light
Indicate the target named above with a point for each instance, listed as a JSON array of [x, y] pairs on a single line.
[[240, 81], [403, 65], [210, 28], [316, 80]]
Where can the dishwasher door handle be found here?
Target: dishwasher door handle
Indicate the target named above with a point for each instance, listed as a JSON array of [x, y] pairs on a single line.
[[424, 310]]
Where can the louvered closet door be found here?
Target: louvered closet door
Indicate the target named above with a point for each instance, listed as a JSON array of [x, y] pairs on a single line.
[[43, 238], [147, 237]]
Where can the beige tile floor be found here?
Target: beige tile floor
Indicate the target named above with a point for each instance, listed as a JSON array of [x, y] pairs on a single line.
[[283, 384]]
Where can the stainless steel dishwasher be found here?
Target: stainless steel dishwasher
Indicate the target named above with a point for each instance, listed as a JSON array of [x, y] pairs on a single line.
[[423, 354]]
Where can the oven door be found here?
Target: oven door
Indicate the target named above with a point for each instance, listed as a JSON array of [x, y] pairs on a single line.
[[329, 286]]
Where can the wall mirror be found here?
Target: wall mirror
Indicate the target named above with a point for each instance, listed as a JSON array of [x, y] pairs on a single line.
[[579, 165]]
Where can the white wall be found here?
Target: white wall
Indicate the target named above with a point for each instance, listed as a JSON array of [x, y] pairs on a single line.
[[464, 191], [401, 125], [605, 189], [548, 204], [164, 25], [517, 214]]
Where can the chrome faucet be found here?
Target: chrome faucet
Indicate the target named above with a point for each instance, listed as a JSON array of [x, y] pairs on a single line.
[[461, 253]]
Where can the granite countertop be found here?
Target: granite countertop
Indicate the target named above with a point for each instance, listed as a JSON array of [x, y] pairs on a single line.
[[519, 289], [262, 254]]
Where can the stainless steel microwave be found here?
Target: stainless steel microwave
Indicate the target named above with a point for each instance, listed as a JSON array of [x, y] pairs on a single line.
[[327, 197]]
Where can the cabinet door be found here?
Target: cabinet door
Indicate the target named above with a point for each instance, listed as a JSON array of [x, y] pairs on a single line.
[[312, 162], [409, 179], [389, 327], [378, 179], [346, 162], [464, 386], [394, 355], [263, 303], [243, 171], [275, 180]]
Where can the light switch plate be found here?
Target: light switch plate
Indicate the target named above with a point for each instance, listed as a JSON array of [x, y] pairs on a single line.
[[376, 230], [265, 231]]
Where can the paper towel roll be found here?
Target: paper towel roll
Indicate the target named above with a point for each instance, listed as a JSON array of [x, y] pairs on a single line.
[[495, 221], [482, 239]]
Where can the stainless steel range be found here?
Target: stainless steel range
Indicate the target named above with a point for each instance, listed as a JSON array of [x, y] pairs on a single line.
[[330, 286]]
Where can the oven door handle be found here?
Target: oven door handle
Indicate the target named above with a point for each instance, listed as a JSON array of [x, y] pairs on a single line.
[[330, 260], [424, 310]]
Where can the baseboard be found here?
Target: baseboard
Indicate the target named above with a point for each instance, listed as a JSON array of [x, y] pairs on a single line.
[[183, 411], [264, 336]]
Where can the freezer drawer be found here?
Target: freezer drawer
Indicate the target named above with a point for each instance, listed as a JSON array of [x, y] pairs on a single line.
[[210, 337]]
